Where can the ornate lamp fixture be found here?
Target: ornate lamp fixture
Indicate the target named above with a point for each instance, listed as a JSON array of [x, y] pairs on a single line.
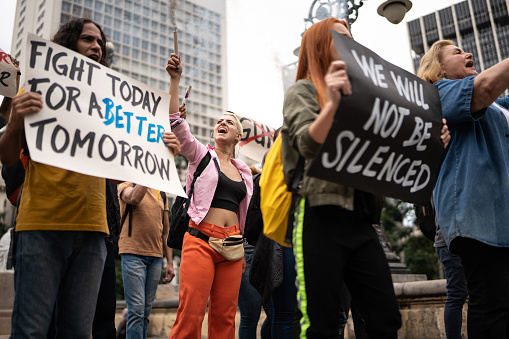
[[394, 10], [341, 9]]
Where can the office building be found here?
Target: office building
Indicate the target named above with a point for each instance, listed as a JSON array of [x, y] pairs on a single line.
[[480, 27], [142, 36]]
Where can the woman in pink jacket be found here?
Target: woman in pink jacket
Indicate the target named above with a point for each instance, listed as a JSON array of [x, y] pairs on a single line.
[[218, 209]]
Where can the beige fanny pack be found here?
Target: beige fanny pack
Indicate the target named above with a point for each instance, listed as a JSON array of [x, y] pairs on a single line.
[[232, 248]]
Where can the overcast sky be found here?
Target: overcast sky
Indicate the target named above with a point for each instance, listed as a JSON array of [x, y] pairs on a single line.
[[261, 38]]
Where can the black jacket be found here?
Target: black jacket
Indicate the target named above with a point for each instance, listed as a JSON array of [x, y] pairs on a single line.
[[266, 272]]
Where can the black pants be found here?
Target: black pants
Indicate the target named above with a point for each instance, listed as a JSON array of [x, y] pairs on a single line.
[[487, 273], [333, 245], [104, 318]]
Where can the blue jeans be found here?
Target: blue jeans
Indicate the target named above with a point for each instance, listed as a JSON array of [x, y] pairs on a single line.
[[141, 276], [456, 292], [250, 305], [56, 272], [284, 299]]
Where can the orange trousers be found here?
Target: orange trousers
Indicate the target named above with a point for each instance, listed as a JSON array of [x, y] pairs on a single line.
[[205, 274]]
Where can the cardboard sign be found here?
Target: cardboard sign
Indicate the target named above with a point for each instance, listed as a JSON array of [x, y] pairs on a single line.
[[386, 136], [256, 139], [96, 121], [8, 75]]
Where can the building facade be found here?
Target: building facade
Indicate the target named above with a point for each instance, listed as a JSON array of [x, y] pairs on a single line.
[[142, 37], [480, 27]]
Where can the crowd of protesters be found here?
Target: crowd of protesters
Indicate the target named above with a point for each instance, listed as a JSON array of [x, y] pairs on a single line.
[[63, 242]]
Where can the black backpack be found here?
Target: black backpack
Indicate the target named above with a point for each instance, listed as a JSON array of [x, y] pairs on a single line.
[[254, 220], [179, 217], [426, 219]]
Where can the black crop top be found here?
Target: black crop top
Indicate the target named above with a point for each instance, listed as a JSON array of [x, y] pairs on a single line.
[[229, 193]]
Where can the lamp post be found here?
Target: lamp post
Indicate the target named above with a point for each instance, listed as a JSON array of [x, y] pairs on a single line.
[[393, 10]]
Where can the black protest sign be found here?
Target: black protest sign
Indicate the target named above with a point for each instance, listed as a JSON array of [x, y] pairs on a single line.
[[385, 138]]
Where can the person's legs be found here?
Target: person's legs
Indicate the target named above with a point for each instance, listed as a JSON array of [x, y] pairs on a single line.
[[104, 318], [223, 299], [134, 272], [196, 275], [56, 268], [487, 275], [266, 329], [284, 299], [154, 267], [369, 282], [344, 309], [224, 292], [39, 267], [250, 305], [77, 297], [456, 292], [359, 325], [316, 236]]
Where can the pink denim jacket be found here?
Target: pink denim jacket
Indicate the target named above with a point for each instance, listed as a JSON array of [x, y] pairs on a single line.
[[205, 185]]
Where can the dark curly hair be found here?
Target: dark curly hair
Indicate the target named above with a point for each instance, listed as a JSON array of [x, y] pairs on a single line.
[[69, 33]]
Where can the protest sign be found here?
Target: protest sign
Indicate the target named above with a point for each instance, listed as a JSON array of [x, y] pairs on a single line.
[[7, 76], [97, 121], [256, 138], [385, 138]]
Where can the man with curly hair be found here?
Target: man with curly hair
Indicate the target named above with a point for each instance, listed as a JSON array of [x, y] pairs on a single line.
[[61, 223]]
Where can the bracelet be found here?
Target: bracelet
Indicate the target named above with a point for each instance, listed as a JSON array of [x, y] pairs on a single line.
[[19, 73], [178, 123]]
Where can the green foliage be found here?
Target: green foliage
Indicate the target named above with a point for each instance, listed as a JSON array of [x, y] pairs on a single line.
[[407, 241], [420, 256], [393, 214]]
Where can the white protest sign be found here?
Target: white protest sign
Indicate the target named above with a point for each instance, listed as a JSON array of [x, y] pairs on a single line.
[[256, 139], [7, 76], [97, 121]]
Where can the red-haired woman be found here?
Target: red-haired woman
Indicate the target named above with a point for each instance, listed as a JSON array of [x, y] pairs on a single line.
[[334, 240]]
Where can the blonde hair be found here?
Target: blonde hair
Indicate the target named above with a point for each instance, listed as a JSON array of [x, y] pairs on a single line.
[[315, 56], [430, 68], [240, 129]]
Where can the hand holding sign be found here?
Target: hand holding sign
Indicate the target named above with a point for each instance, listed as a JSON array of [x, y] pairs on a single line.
[[337, 82], [8, 74], [386, 135]]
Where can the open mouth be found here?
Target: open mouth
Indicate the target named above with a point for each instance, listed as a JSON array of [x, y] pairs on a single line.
[[470, 63], [222, 130], [94, 57]]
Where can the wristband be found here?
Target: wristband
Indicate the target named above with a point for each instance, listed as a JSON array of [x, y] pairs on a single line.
[[176, 124], [19, 73]]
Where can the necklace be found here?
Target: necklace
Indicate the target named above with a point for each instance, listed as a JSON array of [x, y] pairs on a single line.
[[224, 152]]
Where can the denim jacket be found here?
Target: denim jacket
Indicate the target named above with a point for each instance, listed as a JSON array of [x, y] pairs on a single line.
[[205, 185], [472, 191]]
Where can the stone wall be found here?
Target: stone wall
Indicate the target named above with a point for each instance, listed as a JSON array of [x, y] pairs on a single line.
[[421, 304]]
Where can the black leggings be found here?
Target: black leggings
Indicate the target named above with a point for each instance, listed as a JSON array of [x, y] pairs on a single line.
[[333, 245]]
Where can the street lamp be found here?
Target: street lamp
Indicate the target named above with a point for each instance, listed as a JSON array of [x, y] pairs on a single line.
[[394, 10]]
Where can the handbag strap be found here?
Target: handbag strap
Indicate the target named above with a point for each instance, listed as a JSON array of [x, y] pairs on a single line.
[[129, 208], [203, 163], [299, 171]]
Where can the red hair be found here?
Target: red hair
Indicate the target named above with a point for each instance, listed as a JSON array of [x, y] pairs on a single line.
[[315, 56]]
